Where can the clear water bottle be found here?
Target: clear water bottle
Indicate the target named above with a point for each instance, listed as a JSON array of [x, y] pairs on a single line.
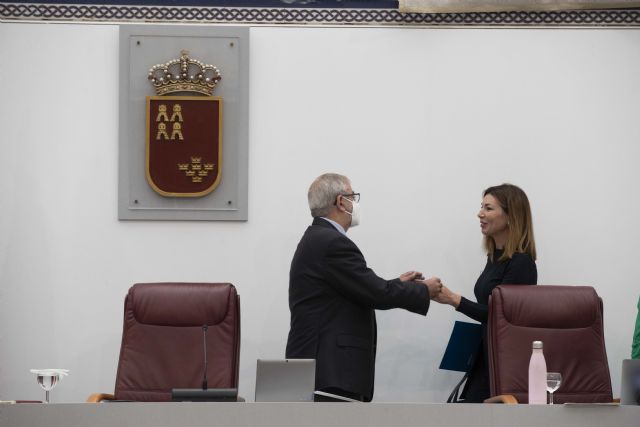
[[537, 376]]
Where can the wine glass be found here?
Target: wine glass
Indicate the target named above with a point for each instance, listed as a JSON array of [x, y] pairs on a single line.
[[554, 379], [47, 381], [48, 378]]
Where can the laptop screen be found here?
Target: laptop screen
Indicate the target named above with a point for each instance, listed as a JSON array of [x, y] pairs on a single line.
[[630, 393], [285, 380]]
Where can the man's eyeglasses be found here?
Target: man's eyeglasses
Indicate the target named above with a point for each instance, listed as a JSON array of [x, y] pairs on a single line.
[[353, 196]]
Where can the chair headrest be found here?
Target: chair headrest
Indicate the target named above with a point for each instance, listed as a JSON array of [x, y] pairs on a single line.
[[556, 307], [181, 304]]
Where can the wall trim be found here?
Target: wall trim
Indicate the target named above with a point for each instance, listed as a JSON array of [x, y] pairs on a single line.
[[315, 16]]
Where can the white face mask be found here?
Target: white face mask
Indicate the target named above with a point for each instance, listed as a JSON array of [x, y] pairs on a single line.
[[355, 213]]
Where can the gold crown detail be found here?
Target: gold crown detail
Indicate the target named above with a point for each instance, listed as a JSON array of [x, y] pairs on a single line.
[[184, 75]]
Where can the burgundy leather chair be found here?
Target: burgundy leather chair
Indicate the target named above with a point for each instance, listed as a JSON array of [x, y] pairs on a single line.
[[162, 340], [568, 320]]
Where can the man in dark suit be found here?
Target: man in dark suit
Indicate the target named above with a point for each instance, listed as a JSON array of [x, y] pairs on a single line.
[[333, 294]]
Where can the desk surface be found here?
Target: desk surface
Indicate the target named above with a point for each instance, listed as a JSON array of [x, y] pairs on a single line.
[[314, 415]]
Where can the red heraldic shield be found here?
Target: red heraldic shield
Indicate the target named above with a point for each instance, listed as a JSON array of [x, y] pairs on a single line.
[[184, 144]]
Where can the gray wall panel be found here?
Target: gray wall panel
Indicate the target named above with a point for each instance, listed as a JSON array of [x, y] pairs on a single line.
[[143, 46]]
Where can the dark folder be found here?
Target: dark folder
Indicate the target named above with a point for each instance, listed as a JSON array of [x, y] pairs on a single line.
[[463, 347]]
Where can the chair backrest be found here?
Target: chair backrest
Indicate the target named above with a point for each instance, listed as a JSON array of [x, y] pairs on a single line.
[[568, 320], [163, 344]]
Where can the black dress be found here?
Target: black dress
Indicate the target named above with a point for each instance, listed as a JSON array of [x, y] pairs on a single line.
[[519, 270]]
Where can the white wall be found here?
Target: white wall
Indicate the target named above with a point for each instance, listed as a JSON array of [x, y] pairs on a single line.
[[422, 120]]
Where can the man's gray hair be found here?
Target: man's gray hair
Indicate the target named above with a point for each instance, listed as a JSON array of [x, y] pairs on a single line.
[[323, 192]]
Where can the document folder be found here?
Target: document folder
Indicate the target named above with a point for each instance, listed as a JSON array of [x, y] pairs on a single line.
[[463, 347]]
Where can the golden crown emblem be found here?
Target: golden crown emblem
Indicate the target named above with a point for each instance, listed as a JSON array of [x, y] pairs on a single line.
[[184, 75]]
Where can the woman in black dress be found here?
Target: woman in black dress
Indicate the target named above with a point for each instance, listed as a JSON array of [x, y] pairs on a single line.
[[505, 222]]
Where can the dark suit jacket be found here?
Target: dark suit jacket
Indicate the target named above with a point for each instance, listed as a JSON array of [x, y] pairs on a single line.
[[332, 297]]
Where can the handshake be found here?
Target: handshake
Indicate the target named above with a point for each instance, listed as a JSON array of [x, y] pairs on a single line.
[[437, 291]]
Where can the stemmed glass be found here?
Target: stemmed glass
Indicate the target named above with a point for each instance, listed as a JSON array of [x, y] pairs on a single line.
[[48, 378], [47, 382], [554, 379]]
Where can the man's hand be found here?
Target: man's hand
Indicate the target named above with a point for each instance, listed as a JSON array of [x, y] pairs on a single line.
[[448, 297], [434, 285], [411, 275]]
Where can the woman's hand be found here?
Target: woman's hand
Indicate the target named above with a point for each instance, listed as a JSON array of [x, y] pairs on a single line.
[[447, 297]]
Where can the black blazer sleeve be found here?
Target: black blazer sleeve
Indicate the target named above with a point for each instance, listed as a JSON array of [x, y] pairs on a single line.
[[349, 275], [521, 270]]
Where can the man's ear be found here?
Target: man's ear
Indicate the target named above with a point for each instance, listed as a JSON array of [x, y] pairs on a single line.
[[339, 204]]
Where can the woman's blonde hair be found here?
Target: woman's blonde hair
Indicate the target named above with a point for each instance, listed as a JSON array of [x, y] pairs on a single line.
[[515, 204]]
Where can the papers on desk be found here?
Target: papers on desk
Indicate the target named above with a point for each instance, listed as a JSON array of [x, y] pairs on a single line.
[[463, 347], [335, 396]]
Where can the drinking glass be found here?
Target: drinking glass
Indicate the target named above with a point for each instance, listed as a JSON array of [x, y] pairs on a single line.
[[47, 381], [554, 379], [49, 378]]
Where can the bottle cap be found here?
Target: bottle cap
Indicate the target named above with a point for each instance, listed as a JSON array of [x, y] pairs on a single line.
[[537, 344]]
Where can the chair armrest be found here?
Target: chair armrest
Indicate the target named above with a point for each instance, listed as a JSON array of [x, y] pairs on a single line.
[[99, 397], [503, 398]]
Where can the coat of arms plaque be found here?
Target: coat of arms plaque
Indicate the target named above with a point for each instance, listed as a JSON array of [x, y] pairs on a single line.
[[184, 129]]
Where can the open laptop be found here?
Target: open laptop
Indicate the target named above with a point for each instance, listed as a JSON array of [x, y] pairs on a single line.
[[285, 380], [289, 380], [630, 384]]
